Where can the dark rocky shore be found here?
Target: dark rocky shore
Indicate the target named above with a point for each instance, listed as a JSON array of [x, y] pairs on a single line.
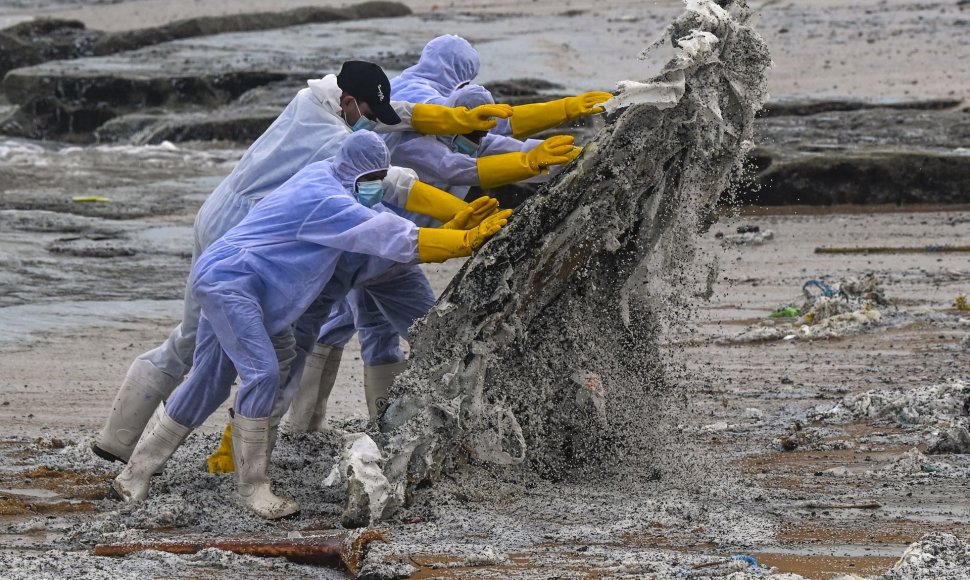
[[180, 82]]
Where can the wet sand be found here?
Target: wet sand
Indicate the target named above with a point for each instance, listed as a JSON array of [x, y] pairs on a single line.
[[800, 505]]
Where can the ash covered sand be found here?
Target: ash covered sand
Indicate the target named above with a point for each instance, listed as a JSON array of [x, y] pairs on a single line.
[[801, 451], [792, 509]]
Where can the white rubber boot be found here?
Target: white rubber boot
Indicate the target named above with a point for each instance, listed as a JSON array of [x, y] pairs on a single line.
[[377, 380], [274, 434], [162, 437], [250, 453], [143, 389], [308, 411]]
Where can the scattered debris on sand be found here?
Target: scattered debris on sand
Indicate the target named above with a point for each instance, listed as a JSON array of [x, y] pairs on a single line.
[[937, 555], [848, 307]]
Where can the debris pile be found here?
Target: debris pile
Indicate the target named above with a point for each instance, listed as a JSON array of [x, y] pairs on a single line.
[[956, 439], [913, 462], [829, 311], [932, 405], [557, 322], [746, 236], [936, 555]]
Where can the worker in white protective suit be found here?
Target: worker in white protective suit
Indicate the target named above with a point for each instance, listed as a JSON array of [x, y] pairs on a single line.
[[382, 313], [449, 62], [403, 292], [310, 129], [256, 281], [446, 64]]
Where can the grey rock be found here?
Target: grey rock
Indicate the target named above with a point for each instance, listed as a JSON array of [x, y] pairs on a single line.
[[70, 99], [41, 40], [248, 22], [44, 39], [242, 125], [520, 87], [898, 176], [800, 106], [954, 440], [907, 153]]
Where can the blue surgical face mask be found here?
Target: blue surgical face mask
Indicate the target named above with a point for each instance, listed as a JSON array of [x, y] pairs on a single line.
[[464, 145], [370, 193], [363, 123]]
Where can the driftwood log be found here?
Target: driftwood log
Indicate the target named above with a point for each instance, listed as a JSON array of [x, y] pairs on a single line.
[[943, 249], [343, 551]]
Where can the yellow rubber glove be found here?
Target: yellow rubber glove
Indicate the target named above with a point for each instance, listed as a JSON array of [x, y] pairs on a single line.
[[478, 209], [573, 154], [440, 120], [496, 170], [430, 201], [586, 104], [556, 150], [530, 119], [440, 244], [221, 461]]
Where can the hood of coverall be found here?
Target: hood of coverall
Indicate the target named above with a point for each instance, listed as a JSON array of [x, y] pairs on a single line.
[[445, 63], [470, 96], [361, 153]]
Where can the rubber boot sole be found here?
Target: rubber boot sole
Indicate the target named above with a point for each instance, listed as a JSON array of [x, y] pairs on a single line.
[[113, 494], [106, 455], [293, 515]]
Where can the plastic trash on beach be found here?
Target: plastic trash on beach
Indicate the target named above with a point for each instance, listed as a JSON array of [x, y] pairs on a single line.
[[961, 303], [361, 466]]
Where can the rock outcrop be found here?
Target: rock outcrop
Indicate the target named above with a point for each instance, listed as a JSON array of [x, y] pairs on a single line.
[[850, 152], [70, 99], [45, 39]]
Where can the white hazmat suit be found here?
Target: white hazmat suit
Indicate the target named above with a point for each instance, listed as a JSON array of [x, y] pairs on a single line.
[[382, 312], [309, 238], [310, 129], [446, 63], [261, 276]]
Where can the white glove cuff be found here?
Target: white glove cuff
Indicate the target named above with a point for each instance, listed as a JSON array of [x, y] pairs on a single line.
[[398, 184]]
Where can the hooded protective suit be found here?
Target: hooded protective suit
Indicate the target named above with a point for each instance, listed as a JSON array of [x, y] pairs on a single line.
[[307, 241], [436, 161], [446, 63], [310, 129], [383, 310]]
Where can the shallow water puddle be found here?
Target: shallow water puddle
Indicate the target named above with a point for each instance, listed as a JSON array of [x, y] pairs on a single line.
[[50, 492], [841, 512], [37, 539], [444, 566], [32, 493], [823, 566], [29, 502]]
